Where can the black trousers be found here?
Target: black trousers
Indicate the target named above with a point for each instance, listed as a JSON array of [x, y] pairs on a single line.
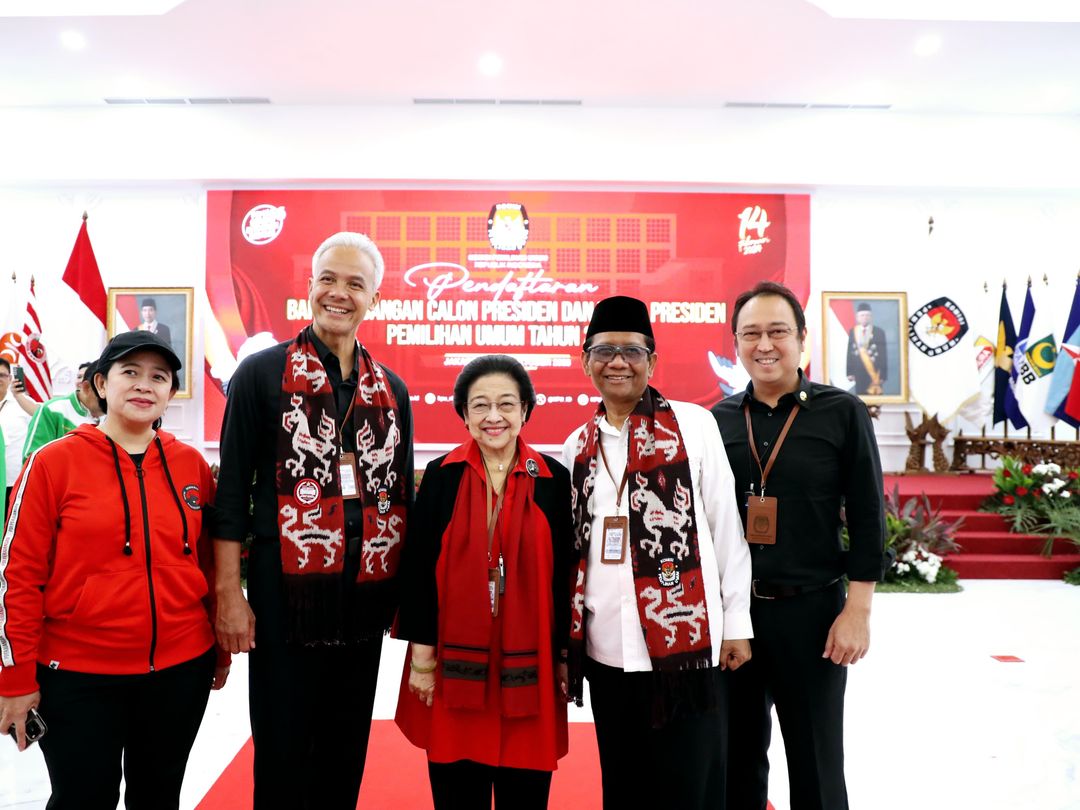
[[310, 706], [467, 785], [680, 765], [146, 722], [808, 691]]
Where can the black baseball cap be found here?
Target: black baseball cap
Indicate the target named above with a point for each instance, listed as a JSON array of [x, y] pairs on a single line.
[[136, 341]]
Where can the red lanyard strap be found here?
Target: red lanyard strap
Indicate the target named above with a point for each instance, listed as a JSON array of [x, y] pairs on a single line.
[[776, 447]]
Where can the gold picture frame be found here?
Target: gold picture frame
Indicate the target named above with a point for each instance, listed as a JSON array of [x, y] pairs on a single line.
[[173, 311], [866, 355]]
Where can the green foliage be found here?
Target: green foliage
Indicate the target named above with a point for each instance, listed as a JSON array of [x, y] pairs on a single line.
[[913, 586], [1073, 577], [918, 537], [1037, 499]]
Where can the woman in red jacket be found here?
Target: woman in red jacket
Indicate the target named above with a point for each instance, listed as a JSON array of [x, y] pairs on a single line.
[[104, 609], [485, 602]]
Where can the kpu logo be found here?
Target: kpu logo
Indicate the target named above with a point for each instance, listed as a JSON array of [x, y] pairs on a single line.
[[508, 226], [937, 326], [753, 219]]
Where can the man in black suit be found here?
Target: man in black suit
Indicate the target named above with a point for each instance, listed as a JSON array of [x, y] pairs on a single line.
[[150, 322], [867, 355]]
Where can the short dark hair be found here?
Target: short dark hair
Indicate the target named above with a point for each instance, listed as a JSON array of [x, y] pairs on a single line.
[[769, 288], [493, 364], [5, 363]]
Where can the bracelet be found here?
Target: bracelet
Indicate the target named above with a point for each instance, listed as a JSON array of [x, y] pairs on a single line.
[[422, 670]]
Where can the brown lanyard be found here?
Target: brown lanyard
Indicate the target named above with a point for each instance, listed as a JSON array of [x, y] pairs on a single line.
[[776, 447], [344, 422], [493, 515], [626, 471]]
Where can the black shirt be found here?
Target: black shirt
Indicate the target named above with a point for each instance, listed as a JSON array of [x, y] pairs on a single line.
[[249, 439], [828, 460]]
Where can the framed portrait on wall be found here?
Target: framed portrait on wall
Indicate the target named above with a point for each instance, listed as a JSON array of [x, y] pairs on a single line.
[[164, 310], [865, 344]]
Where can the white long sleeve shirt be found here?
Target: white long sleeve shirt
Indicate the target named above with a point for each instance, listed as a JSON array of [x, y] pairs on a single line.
[[613, 628]]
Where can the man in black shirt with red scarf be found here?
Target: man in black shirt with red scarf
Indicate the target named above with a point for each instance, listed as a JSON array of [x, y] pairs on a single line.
[[806, 632], [317, 466]]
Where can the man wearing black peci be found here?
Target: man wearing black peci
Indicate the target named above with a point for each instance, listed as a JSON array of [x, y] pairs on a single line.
[[317, 444], [815, 453]]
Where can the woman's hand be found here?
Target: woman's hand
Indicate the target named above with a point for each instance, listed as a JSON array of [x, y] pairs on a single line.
[[422, 664], [13, 713]]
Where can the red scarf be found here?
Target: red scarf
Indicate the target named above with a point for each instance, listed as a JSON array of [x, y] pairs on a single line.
[[467, 630], [663, 538], [311, 514]]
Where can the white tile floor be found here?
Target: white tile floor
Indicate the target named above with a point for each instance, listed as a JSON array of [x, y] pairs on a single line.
[[933, 721]]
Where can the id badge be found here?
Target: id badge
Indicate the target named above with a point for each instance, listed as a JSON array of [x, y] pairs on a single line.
[[616, 532], [761, 520], [494, 581], [347, 475]]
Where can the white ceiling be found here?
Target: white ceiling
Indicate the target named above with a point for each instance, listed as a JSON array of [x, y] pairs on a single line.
[[686, 53]]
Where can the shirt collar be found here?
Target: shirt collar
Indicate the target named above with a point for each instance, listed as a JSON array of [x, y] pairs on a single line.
[[78, 406], [326, 355], [804, 394], [528, 459]]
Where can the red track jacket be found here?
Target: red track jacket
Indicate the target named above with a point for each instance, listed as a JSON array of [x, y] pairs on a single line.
[[71, 596]]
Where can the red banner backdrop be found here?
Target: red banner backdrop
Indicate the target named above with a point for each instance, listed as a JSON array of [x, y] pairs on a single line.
[[514, 272]]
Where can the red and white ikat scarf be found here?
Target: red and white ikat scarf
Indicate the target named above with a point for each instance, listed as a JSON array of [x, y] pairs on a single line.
[[663, 537], [311, 515]]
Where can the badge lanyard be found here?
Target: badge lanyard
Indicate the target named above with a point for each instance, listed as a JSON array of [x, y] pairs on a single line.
[[760, 509], [347, 461], [617, 528], [496, 574]]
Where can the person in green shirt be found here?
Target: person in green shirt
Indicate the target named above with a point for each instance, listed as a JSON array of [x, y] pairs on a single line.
[[59, 415]]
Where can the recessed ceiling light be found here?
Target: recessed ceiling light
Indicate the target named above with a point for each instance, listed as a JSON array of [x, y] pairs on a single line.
[[927, 45], [86, 8], [961, 10], [72, 40], [490, 64]]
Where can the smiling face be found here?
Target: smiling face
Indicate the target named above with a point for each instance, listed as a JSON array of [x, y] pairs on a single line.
[[494, 414], [137, 388], [619, 382], [341, 291], [773, 365], [149, 314]]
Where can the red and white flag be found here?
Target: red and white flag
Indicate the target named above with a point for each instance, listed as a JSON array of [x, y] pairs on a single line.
[[82, 276], [25, 348]]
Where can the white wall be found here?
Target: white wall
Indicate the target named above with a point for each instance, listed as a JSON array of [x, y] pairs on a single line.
[[1004, 191]]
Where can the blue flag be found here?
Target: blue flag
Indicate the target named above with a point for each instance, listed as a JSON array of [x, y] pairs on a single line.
[[1004, 401], [1062, 380]]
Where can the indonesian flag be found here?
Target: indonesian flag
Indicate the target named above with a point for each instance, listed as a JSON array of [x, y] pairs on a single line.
[[839, 321], [82, 276], [25, 348]]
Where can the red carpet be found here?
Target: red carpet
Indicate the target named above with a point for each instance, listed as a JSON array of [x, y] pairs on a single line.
[[396, 775]]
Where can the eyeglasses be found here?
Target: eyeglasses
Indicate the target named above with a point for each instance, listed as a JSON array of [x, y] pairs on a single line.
[[604, 353], [777, 334], [483, 408]]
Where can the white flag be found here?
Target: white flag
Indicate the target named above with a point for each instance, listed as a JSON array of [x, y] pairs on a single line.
[[1035, 356]]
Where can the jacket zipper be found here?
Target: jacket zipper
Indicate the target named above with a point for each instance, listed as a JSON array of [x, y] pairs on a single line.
[[139, 473]]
